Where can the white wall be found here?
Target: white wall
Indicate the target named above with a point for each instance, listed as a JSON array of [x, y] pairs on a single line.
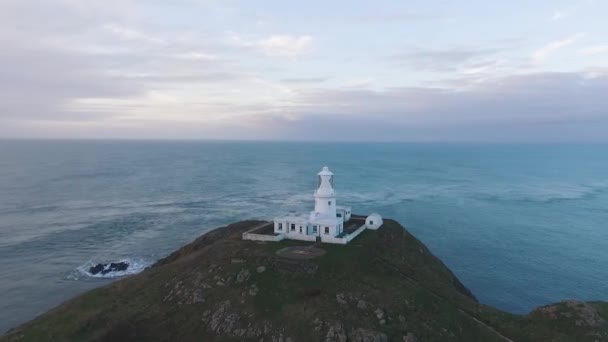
[[356, 233], [260, 237], [302, 237], [325, 205], [333, 230], [329, 239], [276, 227], [296, 235]]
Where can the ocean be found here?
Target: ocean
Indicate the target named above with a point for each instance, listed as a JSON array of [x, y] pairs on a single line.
[[520, 225]]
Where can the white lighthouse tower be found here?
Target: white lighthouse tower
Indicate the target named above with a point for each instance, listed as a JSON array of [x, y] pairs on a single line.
[[325, 195]]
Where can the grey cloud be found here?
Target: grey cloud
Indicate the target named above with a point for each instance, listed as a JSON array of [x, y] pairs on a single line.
[[525, 107], [37, 78], [183, 77], [447, 59], [62, 50], [553, 94], [384, 17], [38, 82], [304, 80], [530, 108], [320, 128]]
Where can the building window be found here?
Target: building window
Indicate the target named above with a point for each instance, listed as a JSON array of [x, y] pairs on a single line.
[[300, 229], [314, 229], [280, 226], [371, 222], [339, 215], [326, 230], [293, 227], [328, 202]]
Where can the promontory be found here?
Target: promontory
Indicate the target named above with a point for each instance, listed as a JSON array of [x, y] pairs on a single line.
[[383, 286]]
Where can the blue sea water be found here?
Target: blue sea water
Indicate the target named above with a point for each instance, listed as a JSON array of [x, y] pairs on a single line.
[[520, 225]]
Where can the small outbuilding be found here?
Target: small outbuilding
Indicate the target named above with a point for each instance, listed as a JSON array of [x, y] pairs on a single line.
[[373, 221]]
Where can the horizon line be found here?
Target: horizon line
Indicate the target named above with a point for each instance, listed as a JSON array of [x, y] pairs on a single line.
[[212, 140]]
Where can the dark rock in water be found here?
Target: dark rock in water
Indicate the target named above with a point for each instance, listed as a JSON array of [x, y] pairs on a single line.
[[116, 267], [107, 268], [96, 269]]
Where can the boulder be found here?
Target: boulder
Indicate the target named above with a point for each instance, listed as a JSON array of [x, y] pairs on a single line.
[[243, 276], [336, 333], [364, 335], [96, 269], [410, 338], [379, 313]]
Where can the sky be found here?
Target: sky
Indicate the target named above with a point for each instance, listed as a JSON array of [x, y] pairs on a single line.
[[434, 70]]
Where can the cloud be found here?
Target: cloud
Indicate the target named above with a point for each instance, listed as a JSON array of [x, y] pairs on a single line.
[[558, 15], [546, 51], [285, 45], [304, 80], [383, 17], [131, 34], [37, 81], [278, 45], [594, 50], [532, 107], [115, 70], [533, 98], [193, 55], [448, 59], [90, 65]]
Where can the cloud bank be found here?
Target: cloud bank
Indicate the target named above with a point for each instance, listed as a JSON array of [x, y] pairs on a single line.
[[70, 69]]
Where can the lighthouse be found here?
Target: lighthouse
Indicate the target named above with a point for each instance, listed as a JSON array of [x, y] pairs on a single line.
[[325, 195], [328, 222]]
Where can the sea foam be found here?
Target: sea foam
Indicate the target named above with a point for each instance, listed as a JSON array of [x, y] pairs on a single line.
[[136, 265]]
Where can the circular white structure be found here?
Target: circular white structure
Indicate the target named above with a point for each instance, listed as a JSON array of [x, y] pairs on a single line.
[[373, 221]]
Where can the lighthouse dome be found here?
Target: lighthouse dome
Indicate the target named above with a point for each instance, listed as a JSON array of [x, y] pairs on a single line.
[[373, 221]]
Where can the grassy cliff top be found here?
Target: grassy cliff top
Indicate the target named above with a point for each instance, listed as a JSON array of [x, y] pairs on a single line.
[[384, 286]]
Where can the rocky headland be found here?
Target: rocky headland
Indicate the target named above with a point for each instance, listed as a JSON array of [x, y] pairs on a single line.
[[384, 286]]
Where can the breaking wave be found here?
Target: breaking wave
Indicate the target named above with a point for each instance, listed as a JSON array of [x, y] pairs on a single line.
[[136, 265]]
